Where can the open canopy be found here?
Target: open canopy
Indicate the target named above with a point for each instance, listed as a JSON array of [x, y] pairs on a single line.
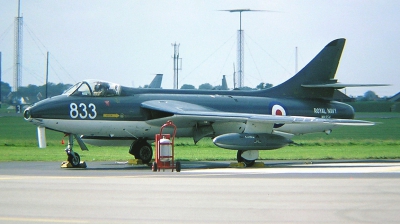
[[94, 88]]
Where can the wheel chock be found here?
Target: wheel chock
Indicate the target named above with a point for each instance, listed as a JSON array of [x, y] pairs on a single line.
[[243, 165], [66, 164], [259, 165], [237, 165], [137, 162]]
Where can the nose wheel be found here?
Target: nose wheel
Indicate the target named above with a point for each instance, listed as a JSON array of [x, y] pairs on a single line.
[[74, 159]]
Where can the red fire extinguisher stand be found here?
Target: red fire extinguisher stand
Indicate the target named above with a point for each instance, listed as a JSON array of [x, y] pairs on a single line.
[[164, 158]]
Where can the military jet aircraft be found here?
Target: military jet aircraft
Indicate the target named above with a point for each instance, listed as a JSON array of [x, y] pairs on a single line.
[[106, 113]]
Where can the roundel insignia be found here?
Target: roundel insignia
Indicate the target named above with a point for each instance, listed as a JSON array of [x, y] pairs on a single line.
[[277, 110]]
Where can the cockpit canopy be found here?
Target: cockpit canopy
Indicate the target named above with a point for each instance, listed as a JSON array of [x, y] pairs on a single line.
[[94, 88]]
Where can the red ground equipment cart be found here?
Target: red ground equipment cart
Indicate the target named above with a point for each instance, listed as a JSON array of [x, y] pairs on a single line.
[[164, 155]]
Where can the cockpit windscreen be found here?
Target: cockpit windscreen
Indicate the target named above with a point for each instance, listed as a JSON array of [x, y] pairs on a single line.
[[94, 88]]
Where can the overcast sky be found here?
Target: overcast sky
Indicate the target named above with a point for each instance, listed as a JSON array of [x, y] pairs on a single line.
[[128, 42]]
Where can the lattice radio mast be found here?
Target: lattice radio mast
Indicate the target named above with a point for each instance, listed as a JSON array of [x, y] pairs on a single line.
[[240, 48], [18, 22]]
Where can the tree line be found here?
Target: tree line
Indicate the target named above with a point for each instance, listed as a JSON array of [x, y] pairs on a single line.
[[31, 93], [208, 86]]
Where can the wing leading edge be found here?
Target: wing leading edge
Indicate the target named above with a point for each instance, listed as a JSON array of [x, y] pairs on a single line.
[[187, 113]]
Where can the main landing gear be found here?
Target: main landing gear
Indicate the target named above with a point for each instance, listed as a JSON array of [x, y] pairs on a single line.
[[142, 150], [248, 157]]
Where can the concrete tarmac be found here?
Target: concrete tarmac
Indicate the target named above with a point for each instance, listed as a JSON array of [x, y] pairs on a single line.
[[204, 192]]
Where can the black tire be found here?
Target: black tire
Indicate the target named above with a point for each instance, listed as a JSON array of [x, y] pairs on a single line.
[[145, 153], [142, 150], [74, 160], [178, 166], [133, 150], [248, 163], [154, 167], [239, 156]]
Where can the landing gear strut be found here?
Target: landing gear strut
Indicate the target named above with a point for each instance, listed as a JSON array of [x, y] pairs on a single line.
[[142, 150], [73, 158]]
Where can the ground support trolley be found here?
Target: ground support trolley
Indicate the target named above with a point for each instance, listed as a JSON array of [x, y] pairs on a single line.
[[164, 150]]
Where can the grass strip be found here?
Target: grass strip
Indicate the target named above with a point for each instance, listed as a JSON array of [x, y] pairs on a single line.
[[18, 143]]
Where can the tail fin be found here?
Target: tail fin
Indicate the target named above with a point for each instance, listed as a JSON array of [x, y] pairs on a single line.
[[156, 83], [316, 79]]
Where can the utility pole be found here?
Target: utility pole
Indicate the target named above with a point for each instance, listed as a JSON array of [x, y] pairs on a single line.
[[176, 65], [295, 66]]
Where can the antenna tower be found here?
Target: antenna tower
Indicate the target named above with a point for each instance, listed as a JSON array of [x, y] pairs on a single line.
[[17, 50], [240, 43], [240, 46]]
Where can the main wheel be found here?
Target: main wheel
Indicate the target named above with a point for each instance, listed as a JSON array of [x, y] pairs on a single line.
[[74, 160], [145, 152], [178, 166], [142, 150], [154, 167], [240, 159]]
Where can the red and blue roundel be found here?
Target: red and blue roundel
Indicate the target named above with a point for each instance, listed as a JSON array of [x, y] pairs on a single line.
[[278, 110]]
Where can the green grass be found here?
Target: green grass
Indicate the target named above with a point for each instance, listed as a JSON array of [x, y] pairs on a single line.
[[18, 143]]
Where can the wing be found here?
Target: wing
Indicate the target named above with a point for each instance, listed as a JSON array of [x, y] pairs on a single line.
[[188, 114]]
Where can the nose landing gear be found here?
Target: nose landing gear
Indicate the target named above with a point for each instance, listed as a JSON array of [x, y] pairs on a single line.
[[73, 160]]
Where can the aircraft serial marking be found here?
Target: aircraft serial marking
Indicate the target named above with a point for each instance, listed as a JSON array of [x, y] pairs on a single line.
[[81, 111]]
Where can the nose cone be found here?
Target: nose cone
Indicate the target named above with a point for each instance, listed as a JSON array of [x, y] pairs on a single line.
[[51, 108]]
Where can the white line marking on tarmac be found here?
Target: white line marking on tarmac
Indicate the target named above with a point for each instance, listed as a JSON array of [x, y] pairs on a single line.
[[311, 168], [41, 220]]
